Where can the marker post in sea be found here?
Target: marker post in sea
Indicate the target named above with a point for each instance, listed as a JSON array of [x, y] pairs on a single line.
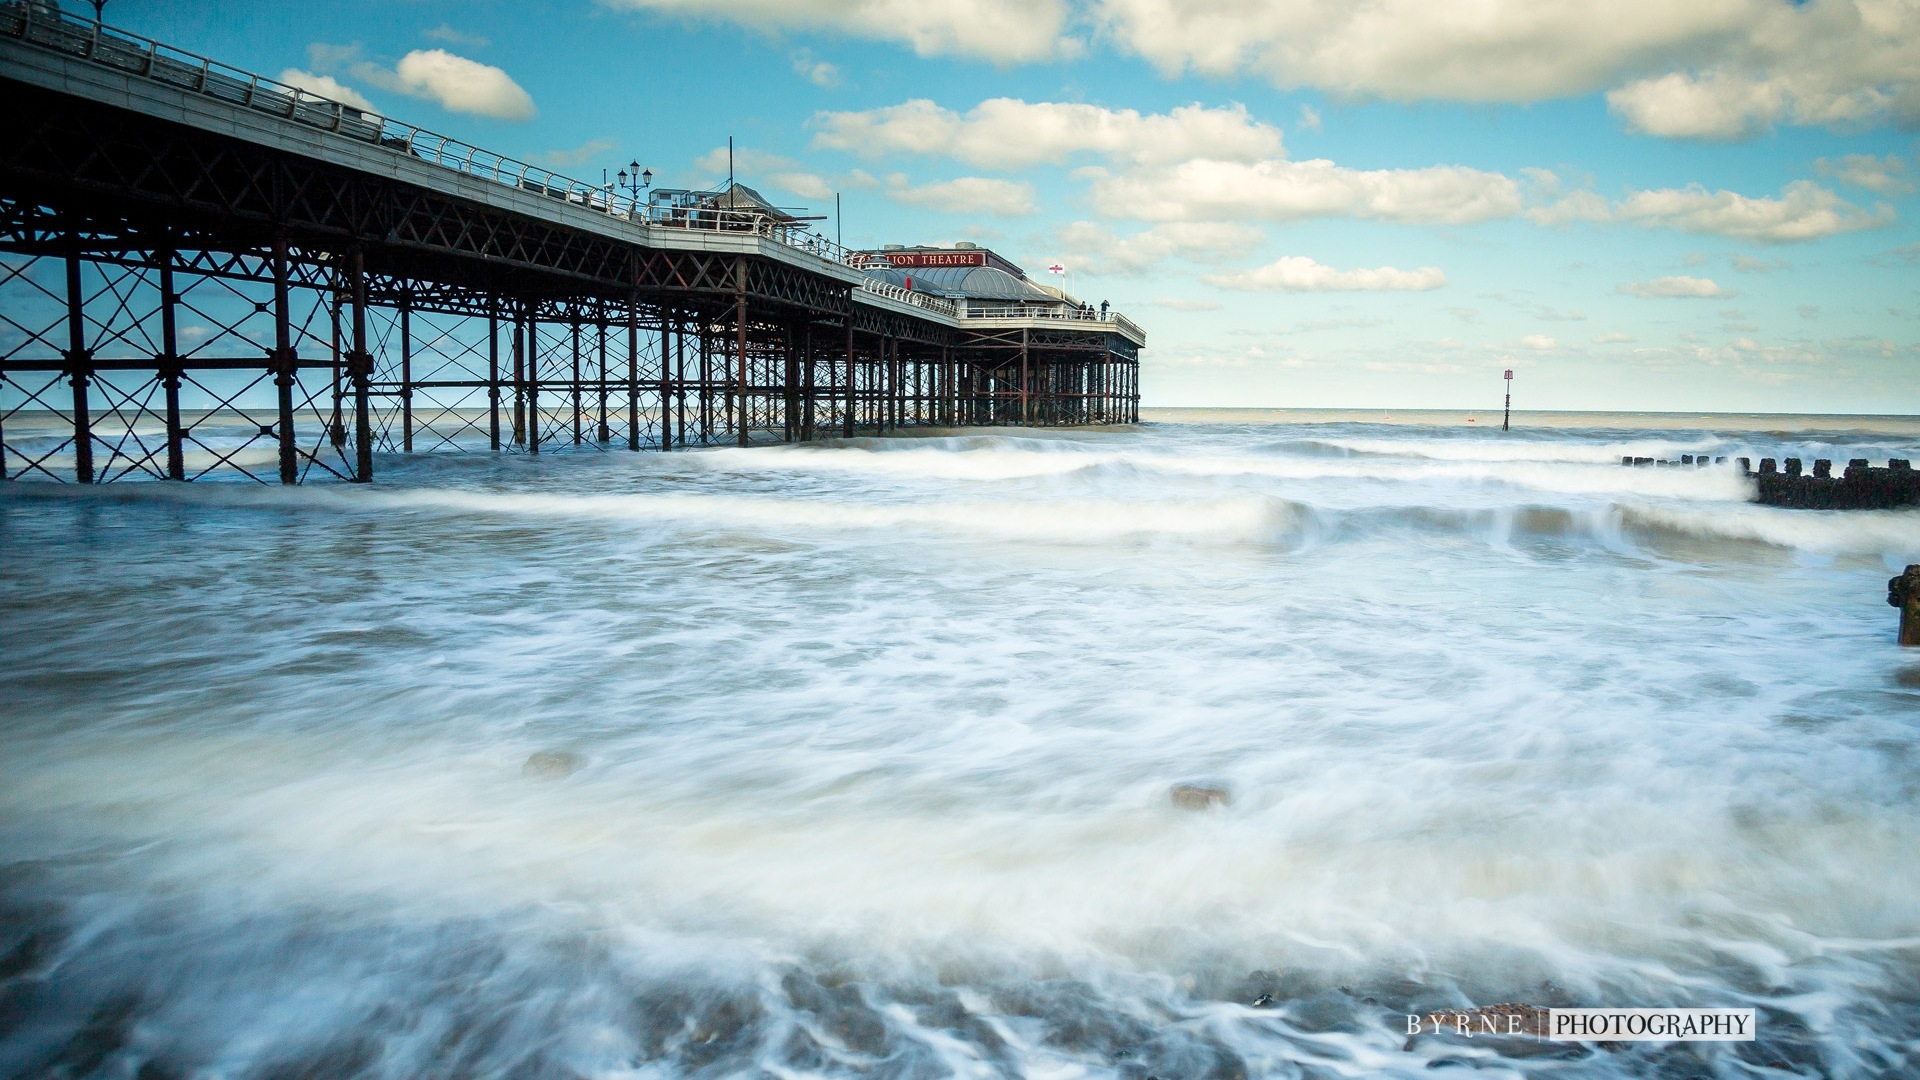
[[1506, 420]]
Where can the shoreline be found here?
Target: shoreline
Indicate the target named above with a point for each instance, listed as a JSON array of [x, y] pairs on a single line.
[[1882, 424]]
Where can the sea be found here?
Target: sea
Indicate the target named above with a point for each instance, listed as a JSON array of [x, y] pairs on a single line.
[[857, 759]]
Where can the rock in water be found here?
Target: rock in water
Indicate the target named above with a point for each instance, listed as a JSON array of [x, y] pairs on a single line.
[[1200, 796], [552, 764]]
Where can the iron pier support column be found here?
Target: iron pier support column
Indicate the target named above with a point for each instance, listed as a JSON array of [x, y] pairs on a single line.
[[519, 375], [336, 418], [79, 364], [740, 363], [533, 381], [577, 439], [605, 431], [666, 379], [706, 383], [360, 365], [679, 376], [170, 368], [846, 417], [493, 373], [286, 364], [633, 373], [1026, 382], [810, 379], [406, 372], [790, 404]]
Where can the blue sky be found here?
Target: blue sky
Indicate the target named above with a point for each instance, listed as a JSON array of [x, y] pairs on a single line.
[[1634, 204]]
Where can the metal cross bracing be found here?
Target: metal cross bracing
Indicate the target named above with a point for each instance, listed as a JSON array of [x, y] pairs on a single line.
[[129, 350], [183, 303]]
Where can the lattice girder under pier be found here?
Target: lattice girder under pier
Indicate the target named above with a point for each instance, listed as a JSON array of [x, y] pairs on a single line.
[[187, 295]]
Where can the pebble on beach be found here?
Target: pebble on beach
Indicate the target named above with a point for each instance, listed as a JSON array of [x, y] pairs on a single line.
[[552, 764], [1200, 796]]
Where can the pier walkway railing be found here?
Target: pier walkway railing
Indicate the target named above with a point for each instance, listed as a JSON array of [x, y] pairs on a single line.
[[147, 58], [205, 272]]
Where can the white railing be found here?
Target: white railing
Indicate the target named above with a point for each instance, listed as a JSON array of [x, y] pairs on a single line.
[[144, 57], [989, 309], [147, 58], [907, 296]]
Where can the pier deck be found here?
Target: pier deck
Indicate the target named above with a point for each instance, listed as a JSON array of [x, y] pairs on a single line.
[[205, 272]]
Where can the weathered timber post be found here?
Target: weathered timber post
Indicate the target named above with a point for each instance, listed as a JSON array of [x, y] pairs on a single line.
[[493, 372], [406, 371], [360, 369], [286, 363], [740, 363], [1903, 592], [171, 370], [79, 364]]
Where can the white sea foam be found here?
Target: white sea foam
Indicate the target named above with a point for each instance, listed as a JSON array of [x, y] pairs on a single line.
[[874, 747]]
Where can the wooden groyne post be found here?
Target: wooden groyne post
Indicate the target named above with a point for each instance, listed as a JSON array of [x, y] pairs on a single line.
[[1903, 592]]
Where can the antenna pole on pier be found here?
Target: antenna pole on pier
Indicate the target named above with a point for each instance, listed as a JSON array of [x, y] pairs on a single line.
[[1506, 420]]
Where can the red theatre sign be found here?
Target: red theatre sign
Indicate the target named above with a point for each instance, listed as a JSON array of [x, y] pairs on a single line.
[[933, 260]]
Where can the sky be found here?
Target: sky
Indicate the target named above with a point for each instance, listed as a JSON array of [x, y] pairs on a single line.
[[1701, 206]]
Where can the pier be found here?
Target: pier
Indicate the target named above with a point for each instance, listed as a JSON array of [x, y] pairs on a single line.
[[208, 273]]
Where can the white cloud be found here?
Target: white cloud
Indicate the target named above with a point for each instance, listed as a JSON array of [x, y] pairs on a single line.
[[756, 168], [1612, 338], [1004, 31], [1804, 211], [1493, 50], [1539, 343], [1297, 273], [463, 85], [1882, 174], [458, 84], [1707, 68], [1092, 248], [1190, 164], [817, 72], [1172, 303], [576, 157], [967, 195], [1208, 189], [327, 86], [1575, 206], [1678, 287], [1715, 106], [1309, 118], [1747, 264], [1007, 133], [450, 36]]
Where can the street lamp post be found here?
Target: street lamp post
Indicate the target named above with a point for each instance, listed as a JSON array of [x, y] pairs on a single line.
[[635, 180]]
